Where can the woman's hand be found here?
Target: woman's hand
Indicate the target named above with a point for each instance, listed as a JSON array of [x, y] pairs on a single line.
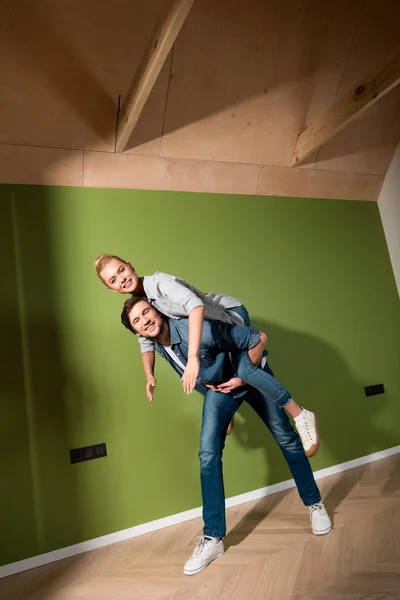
[[190, 374]]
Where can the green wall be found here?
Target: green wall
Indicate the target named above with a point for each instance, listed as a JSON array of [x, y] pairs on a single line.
[[314, 274]]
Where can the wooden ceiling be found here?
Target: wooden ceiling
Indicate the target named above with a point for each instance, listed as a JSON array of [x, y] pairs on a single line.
[[240, 84]]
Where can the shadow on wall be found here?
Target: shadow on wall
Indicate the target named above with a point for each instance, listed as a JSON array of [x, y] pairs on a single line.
[[318, 377], [16, 495], [41, 494]]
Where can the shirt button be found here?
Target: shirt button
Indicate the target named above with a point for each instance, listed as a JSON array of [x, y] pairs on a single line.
[[199, 378]]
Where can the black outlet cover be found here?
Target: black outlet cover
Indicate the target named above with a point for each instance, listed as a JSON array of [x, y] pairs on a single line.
[[372, 390], [87, 453], [100, 450]]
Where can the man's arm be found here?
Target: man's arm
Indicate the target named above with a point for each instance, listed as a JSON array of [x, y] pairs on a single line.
[[148, 360]]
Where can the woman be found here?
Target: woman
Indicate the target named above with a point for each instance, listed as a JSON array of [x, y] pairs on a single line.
[[177, 299]]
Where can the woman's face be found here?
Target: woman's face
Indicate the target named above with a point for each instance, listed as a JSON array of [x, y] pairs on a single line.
[[119, 277]]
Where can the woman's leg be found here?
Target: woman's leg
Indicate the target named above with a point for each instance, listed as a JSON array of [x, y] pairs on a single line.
[[263, 380]]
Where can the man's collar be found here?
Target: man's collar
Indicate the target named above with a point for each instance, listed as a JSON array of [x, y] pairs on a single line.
[[174, 335], [174, 331]]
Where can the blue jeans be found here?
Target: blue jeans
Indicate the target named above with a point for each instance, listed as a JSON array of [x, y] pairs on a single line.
[[262, 380], [218, 409]]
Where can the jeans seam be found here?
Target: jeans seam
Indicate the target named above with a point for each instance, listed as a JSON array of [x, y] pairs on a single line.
[[219, 468]]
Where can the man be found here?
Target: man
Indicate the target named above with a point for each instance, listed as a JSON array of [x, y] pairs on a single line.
[[217, 342]]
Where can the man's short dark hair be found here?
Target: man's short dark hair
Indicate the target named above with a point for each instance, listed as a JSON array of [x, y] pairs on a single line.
[[128, 305]]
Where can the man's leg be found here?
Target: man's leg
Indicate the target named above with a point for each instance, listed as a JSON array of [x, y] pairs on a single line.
[[218, 410], [288, 440]]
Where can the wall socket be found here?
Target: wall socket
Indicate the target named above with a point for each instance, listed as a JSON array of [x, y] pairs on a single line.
[[87, 453], [372, 390]]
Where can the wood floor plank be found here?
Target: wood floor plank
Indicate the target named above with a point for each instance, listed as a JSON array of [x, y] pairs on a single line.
[[270, 553]]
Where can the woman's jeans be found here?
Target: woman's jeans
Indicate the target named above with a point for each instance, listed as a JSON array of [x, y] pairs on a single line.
[[253, 375]]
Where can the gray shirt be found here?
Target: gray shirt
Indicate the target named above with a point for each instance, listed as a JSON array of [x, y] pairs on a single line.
[[176, 299]]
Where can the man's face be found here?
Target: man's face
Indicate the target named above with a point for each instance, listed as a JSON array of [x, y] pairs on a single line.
[[119, 277], [145, 320]]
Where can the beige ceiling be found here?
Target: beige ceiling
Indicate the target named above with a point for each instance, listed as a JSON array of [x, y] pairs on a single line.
[[241, 83]]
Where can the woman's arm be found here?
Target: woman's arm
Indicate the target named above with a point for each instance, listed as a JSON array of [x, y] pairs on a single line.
[[191, 372], [184, 302]]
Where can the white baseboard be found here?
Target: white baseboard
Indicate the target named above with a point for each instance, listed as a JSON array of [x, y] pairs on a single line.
[[105, 540]]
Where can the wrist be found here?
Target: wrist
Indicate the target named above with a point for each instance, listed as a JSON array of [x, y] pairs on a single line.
[[193, 355]]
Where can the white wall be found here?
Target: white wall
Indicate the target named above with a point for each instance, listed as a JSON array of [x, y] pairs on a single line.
[[389, 207]]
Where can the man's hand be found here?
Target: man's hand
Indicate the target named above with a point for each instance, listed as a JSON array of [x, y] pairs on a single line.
[[150, 386], [190, 374], [229, 386]]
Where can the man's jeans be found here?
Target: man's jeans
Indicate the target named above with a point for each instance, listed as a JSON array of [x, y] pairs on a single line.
[[218, 409]]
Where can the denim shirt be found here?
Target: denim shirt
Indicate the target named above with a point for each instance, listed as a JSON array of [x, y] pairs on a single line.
[[217, 340]]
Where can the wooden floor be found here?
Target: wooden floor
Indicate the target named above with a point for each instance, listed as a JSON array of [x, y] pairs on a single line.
[[270, 553]]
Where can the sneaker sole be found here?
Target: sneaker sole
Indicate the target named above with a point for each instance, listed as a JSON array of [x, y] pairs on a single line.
[[204, 566], [315, 447], [323, 532]]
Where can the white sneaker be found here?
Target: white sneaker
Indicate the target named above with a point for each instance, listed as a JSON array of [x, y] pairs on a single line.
[[207, 549], [306, 425], [320, 521]]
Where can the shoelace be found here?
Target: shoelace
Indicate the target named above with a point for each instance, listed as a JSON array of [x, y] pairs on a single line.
[[317, 507], [201, 544], [304, 432]]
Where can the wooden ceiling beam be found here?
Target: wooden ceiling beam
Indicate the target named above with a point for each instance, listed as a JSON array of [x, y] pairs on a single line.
[[352, 105], [161, 43]]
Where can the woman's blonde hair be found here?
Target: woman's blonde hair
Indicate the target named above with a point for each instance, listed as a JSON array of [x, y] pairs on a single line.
[[102, 261]]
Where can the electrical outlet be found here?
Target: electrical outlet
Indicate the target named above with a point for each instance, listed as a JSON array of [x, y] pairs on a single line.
[[372, 390], [87, 453]]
